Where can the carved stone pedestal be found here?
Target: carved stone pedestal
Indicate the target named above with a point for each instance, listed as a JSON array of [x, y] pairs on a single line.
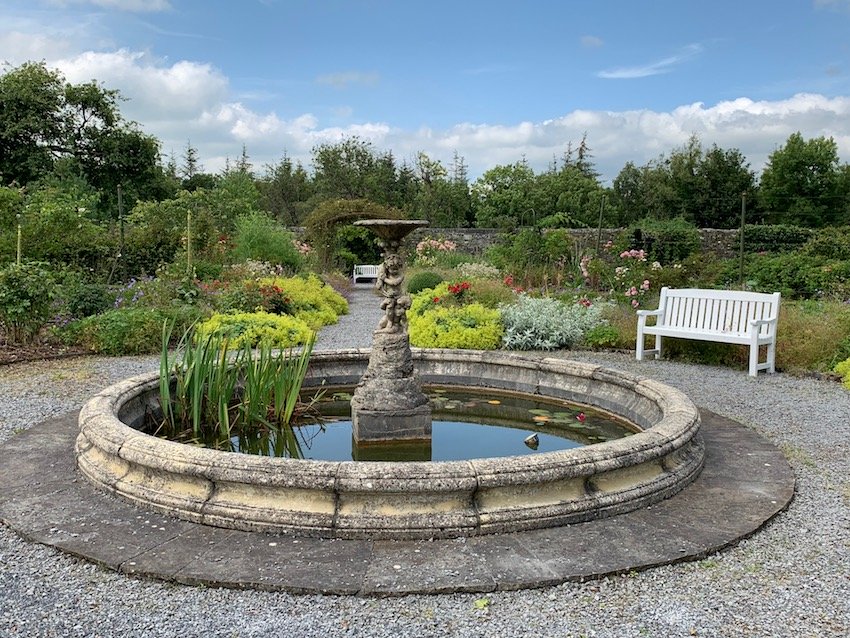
[[388, 404]]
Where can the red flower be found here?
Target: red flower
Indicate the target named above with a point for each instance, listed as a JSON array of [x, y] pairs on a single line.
[[436, 300], [509, 280], [584, 301], [581, 417]]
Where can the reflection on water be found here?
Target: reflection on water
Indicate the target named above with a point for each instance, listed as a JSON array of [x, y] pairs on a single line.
[[465, 425]]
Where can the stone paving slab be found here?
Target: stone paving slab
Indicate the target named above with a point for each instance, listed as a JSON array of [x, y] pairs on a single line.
[[746, 481]]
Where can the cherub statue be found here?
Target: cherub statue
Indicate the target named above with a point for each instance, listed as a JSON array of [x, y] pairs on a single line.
[[388, 282]]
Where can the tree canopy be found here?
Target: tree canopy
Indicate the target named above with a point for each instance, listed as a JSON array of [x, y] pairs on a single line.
[[804, 184], [51, 127]]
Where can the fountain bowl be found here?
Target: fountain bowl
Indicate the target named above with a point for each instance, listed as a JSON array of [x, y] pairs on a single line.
[[409, 500]]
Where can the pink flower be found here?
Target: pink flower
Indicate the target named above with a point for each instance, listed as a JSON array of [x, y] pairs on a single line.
[[645, 285], [581, 417], [635, 303]]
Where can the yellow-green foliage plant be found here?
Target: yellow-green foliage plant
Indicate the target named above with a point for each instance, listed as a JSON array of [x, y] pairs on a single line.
[[256, 328], [843, 369], [310, 299], [439, 319]]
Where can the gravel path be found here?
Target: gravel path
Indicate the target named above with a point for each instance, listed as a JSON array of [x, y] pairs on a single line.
[[791, 579]]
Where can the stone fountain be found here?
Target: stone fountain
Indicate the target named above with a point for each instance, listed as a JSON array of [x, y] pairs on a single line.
[[388, 405], [365, 499]]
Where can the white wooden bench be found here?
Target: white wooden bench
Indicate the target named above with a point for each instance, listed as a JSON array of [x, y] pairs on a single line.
[[364, 273], [728, 316]]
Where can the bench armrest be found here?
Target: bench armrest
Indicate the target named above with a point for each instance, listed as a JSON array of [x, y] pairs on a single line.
[[756, 324], [762, 322], [643, 314]]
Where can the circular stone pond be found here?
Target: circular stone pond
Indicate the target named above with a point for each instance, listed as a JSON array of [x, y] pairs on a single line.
[[368, 499]]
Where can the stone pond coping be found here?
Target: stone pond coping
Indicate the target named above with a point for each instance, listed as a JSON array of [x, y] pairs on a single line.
[[745, 482], [372, 500]]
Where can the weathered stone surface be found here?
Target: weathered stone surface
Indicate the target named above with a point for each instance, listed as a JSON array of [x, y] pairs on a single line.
[[408, 500], [746, 481], [390, 381]]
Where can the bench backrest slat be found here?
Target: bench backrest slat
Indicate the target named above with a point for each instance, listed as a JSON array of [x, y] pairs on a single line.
[[716, 310]]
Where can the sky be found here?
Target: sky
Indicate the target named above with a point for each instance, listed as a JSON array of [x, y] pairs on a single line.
[[493, 81]]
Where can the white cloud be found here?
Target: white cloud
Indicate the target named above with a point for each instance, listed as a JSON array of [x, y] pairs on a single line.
[[664, 65], [16, 47], [756, 128], [154, 91]]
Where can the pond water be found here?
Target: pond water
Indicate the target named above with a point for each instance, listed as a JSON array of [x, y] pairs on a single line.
[[465, 425]]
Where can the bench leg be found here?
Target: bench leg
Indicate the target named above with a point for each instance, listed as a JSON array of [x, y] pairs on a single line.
[[639, 346], [754, 360], [657, 346], [771, 357]]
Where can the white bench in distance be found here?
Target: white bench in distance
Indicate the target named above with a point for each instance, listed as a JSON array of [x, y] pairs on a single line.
[[364, 273], [728, 316]]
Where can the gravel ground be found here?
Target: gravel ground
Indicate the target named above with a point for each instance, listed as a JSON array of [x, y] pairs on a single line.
[[790, 579]]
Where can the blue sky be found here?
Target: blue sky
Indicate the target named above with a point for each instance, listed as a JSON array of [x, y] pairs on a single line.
[[494, 81]]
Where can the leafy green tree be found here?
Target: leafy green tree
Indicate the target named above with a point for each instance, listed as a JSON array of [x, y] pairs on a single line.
[[569, 197], [442, 199], [32, 122], [702, 187], [352, 169], [723, 176], [628, 192], [285, 190], [192, 173], [47, 124], [502, 196], [801, 183]]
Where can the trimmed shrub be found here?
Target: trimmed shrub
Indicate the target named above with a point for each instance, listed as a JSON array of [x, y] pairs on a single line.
[[774, 238], [255, 328], [308, 298], [127, 331], [26, 293], [546, 323], [423, 280], [468, 327], [84, 299]]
